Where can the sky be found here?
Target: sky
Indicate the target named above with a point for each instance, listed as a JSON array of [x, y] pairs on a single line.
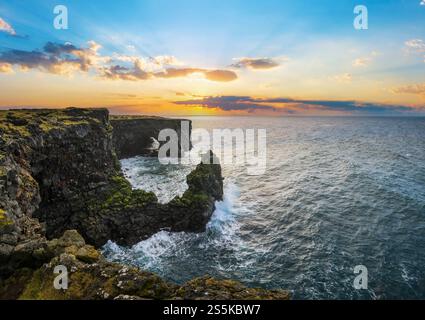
[[204, 57]]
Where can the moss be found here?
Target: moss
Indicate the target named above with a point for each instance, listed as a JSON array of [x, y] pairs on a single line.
[[226, 290], [11, 129], [81, 284], [73, 122], [2, 171], [61, 123], [93, 281], [122, 195], [46, 127], [4, 220], [40, 287], [106, 280], [87, 254], [189, 199], [22, 122], [12, 287]]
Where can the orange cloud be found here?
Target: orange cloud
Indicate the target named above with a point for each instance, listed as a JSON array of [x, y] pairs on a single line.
[[417, 89], [220, 75], [6, 68]]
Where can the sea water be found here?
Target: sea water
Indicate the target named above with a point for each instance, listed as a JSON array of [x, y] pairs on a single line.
[[337, 192]]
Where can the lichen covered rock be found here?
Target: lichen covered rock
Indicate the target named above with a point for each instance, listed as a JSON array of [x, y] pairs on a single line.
[[59, 171], [133, 135], [208, 288], [96, 278]]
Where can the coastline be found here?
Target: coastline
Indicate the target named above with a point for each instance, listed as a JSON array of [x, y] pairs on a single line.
[[60, 171]]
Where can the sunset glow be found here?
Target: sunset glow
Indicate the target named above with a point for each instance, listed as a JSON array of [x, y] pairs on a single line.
[[160, 57]]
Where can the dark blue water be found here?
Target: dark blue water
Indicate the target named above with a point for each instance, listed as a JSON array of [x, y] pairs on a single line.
[[337, 192]]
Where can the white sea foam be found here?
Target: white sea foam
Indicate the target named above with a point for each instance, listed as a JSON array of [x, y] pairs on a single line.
[[166, 181], [153, 253], [331, 195]]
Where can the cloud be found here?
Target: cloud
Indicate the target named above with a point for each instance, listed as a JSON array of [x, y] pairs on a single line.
[[415, 45], [162, 66], [55, 58], [6, 27], [138, 73], [365, 61], [361, 62], [165, 60], [66, 58], [150, 63], [177, 73], [131, 47], [115, 72], [220, 75], [255, 63], [6, 68], [212, 75], [228, 103], [343, 78], [416, 89], [287, 105], [354, 107], [422, 3]]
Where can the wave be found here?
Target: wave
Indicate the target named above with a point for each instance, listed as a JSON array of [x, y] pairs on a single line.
[[166, 181], [156, 253]]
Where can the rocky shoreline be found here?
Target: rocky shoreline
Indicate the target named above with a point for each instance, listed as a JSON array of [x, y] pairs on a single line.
[[62, 195]]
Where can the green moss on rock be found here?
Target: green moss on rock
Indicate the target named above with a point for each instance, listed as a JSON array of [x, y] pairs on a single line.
[[4, 219], [121, 195], [208, 288]]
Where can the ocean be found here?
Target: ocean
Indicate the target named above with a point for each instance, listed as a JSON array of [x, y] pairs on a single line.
[[337, 192]]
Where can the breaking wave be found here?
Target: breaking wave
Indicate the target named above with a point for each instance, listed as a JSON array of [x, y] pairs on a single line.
[[337, 192], [160, 252]]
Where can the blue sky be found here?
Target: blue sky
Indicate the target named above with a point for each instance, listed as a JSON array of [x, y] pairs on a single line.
[[314, 41], [220, 27]]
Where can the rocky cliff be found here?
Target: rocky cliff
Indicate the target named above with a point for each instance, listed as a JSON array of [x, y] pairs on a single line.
[[92, 277], [134, 135], [59, 171]]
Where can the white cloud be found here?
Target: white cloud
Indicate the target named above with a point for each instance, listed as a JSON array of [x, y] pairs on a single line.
[[422, 3], [361, 62], [158, 63], [5, 27], [343, 78], [365, 61], [415, 45]]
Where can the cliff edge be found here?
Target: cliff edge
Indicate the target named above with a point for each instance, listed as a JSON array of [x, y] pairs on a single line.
[[59, 170]]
